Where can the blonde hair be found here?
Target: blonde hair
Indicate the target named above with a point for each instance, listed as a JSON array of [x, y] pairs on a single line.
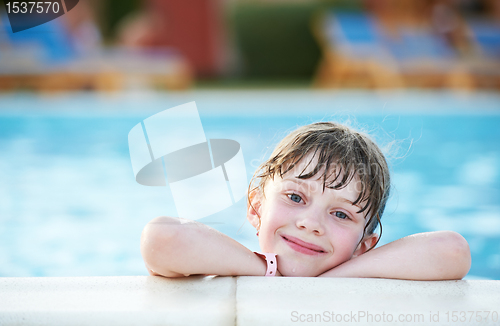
[[342, 154]]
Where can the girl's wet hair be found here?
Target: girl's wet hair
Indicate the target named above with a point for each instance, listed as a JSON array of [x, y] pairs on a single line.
[[340, 154]]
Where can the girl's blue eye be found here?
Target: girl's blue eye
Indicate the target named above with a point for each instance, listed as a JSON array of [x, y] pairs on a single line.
[[341, 215], [296, 198]]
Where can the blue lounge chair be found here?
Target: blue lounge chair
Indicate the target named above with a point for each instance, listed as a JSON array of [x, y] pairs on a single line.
[[354, 53], [355, 46], [486, 35]]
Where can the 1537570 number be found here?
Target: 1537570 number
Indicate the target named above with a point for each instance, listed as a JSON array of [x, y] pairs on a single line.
[[32, 7]]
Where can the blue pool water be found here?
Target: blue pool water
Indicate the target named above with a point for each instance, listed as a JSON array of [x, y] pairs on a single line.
[[69, 204]]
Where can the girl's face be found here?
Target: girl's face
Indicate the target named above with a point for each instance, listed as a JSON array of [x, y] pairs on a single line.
[[310, 230]]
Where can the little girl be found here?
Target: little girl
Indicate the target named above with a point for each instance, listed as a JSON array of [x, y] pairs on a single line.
[[315, 205]]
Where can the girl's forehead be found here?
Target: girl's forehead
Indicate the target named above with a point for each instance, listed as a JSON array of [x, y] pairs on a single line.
[[309, 163], [316, 183]]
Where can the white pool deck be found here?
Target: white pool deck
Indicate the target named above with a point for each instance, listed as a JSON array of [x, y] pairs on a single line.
[[150, 300]]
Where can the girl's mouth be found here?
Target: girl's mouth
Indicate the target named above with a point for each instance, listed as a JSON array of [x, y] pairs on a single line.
[[302, 246]]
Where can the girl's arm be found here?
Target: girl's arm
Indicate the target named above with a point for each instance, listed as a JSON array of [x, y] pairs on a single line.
[[442, 255], [175, 247]]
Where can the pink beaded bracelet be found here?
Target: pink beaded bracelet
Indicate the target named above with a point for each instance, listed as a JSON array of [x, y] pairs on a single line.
[[272, 265]]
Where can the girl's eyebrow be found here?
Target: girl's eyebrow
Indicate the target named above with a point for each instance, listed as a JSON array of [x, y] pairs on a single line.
[[298, 182], [349, 202]]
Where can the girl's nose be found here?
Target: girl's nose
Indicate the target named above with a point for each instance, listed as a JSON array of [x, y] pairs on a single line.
[[310, 223]]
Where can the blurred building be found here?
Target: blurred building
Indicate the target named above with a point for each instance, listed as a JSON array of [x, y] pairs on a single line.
[[195, 28]]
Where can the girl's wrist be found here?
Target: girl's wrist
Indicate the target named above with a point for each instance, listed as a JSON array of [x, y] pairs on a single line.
[[271, 263]]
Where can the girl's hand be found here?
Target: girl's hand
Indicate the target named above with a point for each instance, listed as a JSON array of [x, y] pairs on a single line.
[[430, 256], [174, 247]]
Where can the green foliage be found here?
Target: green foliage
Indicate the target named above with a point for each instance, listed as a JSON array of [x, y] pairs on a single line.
[[114, 11], [276, 41]]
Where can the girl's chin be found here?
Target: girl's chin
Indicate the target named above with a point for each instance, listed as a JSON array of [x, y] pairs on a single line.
[[296, 270], [299, 274]]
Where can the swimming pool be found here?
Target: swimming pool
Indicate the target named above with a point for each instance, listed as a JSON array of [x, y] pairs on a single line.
[[69, 204]]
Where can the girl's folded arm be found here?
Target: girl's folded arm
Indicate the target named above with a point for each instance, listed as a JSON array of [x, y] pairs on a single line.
[[175, 247], [442, 255]]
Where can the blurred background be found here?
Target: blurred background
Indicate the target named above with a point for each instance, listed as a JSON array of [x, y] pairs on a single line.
[[421, 76], [113, 45]]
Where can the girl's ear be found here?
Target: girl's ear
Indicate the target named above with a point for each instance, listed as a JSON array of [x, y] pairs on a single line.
[[253, 209], [367, 243]]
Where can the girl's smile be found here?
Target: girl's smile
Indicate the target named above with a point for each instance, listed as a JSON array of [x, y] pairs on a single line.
[[302, 246]]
